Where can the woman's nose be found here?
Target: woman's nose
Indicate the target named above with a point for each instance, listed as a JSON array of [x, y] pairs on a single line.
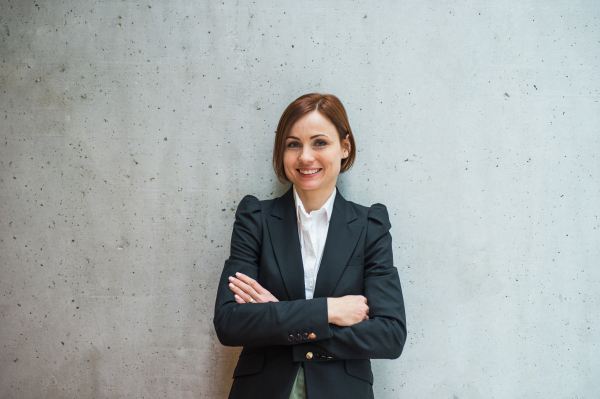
[[306, 156]]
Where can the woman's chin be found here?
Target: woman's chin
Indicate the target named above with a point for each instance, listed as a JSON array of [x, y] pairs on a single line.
[[309, 185]]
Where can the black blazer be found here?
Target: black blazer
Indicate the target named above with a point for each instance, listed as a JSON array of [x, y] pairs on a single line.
[[278, 337]]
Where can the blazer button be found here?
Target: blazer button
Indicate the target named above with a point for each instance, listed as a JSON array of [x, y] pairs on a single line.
[[298, 337], [309, 355], [312, 336], [291, 338], [305, 336]]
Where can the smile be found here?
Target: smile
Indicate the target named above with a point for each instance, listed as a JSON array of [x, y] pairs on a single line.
[[308, 172]]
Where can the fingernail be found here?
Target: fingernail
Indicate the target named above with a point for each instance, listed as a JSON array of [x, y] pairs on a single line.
[[230, 278], [238, 273], [231, 285]]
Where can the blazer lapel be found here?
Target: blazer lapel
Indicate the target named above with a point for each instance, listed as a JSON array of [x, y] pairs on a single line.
[[342, 237], [283, 230]]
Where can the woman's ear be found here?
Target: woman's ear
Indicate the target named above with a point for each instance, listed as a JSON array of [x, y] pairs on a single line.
[[346, 146]]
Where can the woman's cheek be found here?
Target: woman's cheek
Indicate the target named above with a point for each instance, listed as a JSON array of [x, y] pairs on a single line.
[[290, 174]]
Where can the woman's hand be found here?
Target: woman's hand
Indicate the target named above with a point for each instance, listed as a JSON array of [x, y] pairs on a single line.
[[347, 310], [247, 290]]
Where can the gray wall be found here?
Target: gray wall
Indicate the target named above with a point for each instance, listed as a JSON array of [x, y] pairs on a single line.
[[129, 132]]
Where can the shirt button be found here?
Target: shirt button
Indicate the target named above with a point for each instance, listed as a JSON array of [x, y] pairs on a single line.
[[291, 338], [298, 337], [311, 336], [309, 355], [305, 336]]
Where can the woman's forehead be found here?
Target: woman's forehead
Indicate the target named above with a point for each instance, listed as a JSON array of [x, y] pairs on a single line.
[[312, 124]]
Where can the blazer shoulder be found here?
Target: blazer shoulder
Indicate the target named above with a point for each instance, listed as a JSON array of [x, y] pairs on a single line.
[[375, 217], [378, 221], [376, 211], [251, 204], [248, 204]]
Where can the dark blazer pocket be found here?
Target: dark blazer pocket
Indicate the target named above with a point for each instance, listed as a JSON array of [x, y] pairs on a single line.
[[248, 364], [359, 368], [356, 261]]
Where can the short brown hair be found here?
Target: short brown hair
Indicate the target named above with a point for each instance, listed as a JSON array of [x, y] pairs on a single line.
[[327, 105]]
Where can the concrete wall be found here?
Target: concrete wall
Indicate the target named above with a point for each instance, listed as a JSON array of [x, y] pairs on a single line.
[[129, 132]]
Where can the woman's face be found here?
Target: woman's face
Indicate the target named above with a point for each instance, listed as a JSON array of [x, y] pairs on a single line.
[[313, 154]]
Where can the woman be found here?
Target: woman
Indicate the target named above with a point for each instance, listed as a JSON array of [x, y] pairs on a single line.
[[309, 289]]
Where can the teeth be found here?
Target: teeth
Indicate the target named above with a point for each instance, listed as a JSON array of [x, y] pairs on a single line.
[[309, 172]]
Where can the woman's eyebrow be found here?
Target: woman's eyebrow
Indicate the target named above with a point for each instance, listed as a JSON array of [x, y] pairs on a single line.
[[315, 136]]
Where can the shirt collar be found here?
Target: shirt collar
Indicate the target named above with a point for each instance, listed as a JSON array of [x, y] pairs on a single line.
[[327, 208]]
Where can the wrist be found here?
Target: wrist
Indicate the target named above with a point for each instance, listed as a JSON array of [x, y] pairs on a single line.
[[331, 316]]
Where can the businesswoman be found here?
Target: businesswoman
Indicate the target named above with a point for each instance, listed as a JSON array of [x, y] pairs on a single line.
[[309, 289]]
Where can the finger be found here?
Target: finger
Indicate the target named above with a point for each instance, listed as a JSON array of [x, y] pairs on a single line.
[[251, 282], [238, 299], [244, 287], [239, 292], [239, 283], [246, 298]]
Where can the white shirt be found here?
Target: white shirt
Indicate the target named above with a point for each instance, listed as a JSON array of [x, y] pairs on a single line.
[[312, 231]]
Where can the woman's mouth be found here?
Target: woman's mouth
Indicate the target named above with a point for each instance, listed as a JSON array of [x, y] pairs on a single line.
[[309, 172]]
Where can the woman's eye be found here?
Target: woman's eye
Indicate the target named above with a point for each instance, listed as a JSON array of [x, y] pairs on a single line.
[[293, 144], [320, 143]]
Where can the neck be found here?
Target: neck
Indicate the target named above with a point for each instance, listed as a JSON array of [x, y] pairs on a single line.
[[314, 199]]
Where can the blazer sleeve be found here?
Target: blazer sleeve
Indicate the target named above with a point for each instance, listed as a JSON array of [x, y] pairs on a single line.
[[261, 324], [383, 335]]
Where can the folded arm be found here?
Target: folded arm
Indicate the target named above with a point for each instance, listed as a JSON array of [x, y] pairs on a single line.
[[261, 324], [382, 336], [353, 334]]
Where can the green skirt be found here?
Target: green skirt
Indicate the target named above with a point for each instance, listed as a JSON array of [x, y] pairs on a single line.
[[299, 388]]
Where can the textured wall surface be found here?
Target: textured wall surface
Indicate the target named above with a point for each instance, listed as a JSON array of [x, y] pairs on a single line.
[[129, 131]]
